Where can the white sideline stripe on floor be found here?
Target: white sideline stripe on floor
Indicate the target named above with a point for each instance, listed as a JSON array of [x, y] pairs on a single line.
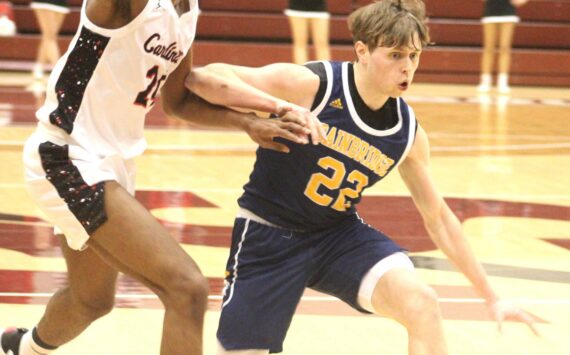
[[242, 148], [308, 298]]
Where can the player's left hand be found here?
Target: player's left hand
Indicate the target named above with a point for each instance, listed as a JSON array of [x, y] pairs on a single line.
[[502, 311]]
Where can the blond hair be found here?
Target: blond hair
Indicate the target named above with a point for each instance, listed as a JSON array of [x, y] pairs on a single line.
[[390, 23]]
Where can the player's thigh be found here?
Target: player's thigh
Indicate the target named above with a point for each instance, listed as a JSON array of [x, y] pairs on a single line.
[[266, 275], [79, 193], [368, 285], [91, 280], [345, 254], [133, 241]]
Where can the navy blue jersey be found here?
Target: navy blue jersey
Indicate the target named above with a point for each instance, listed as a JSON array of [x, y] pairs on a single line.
[[315, 187]]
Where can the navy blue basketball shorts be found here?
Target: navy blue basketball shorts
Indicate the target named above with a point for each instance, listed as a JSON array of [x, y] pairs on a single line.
[[269, 268]]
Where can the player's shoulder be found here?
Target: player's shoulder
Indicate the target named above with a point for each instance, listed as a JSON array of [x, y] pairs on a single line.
[[113, 14], [298, 80]]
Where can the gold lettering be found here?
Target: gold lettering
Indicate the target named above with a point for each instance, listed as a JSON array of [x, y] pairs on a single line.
[[384, 164], [354, 147], [364, 148], [339, 140], [357, 149], [330, 137]]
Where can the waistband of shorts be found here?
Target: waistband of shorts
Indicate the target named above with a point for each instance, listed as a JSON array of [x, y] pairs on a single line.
[[247, 214]]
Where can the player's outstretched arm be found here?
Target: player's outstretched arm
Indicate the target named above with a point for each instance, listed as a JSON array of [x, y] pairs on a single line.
[[220, 85], [178, 102], [277, 88], [445, 230]]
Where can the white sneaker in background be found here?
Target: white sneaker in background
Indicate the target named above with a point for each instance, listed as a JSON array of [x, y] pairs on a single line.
[[485, 82], [504, 89], [37, 87], [38, 72], [484, 87], [503, 84]]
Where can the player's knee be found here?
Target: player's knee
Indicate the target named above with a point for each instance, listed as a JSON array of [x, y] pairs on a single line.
[[420, 306], [188, 292]]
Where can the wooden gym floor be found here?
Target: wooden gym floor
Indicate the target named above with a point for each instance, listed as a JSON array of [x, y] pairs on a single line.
[[502, 162]]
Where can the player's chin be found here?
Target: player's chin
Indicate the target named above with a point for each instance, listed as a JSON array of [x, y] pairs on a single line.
[[396, 93]]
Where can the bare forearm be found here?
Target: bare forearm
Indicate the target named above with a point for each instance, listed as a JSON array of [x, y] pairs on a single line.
[[198, 111], [228, 90], [448, 235]]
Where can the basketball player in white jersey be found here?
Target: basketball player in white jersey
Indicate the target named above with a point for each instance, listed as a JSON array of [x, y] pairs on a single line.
[[79, 168]]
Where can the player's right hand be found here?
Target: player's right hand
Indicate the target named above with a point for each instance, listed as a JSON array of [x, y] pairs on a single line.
[[503, 311], [264, 130], [289, 112]]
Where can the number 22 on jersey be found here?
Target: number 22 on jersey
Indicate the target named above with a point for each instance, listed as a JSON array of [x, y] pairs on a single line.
[[333, 183]]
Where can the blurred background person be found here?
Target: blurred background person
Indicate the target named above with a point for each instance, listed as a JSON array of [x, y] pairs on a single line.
[[7, 24], [50, 15], [305, 16], [499, 20]]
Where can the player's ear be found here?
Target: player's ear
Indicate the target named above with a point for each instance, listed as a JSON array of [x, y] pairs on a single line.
[[362, 52]]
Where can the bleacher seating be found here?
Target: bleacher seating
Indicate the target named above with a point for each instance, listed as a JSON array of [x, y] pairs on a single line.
[[255, 32]]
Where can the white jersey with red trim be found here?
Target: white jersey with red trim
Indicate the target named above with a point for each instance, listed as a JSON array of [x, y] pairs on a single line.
[[102, 88]]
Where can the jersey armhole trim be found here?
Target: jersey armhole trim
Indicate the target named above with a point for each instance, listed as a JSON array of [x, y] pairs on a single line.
[[116, 32], [329, 73], [411, 131]]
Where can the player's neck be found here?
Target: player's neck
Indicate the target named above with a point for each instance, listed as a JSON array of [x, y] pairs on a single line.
[[371, 96]]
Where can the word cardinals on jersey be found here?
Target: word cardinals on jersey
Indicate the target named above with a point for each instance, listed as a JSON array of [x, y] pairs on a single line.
[[170, 52]]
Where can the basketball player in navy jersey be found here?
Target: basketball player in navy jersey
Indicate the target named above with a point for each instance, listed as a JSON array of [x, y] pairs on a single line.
[[80, 171], [297, 224]]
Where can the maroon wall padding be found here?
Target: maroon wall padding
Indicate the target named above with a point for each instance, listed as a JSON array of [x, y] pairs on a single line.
[[246, 26], [535, 10], [256, 32]]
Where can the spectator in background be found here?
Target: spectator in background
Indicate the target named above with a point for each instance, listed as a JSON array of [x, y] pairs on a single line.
[[7, 24], [499, 19], [50, 15], [303, 14]]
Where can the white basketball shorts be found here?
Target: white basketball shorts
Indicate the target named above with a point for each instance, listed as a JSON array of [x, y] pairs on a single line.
[[67, 183]]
